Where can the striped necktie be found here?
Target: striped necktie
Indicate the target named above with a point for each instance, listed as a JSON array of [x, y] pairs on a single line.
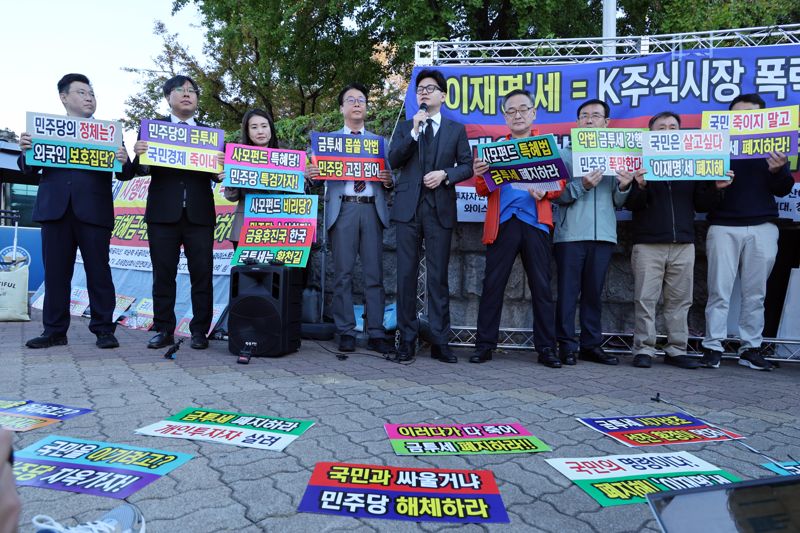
[[358, 186]]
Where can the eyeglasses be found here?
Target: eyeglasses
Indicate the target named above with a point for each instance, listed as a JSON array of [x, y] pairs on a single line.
[[84, 94], [428, 89], [181, 90], [522, 111], [352, 101], [593, 116]]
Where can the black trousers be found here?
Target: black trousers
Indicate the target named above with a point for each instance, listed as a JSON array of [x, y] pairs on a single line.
[[582, 267], [60, 242], [165, 247], [515, 237]]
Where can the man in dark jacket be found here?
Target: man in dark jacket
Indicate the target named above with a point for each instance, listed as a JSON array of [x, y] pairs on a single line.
[[180, 211], [743, 240], [663, 255], [76, 210]]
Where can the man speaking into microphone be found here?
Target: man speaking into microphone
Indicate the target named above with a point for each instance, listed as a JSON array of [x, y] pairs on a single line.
[[432, 154]]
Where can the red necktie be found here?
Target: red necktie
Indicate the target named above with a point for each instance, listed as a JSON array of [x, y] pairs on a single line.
[[358, 186]]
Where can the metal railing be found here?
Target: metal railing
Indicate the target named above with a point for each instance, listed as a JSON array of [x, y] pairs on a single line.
[[555, 51]]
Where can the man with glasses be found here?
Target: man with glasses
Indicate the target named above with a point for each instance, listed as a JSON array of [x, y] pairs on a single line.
[[518, 222], [180, 211], [585, 235], [76, 210], [355, 216], [432, 154]]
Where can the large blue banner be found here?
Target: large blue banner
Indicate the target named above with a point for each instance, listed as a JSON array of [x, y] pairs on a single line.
[[686, 82]]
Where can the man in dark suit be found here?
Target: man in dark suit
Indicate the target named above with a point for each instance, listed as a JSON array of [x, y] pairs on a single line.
[[76, 210], [432, 154], [180, 211], [355, 216]]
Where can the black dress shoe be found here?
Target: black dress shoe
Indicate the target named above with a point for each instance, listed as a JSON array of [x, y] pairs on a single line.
[[107, 340], [597, 355], [347, 343], [378, 344], [199, 341], [548, 358], [481, 356], [161, 340], [642, 360], [569, 357], [405, 352], [443, 353], [46, 341]]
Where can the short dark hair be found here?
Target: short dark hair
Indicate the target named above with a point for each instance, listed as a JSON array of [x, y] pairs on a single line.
[[360, 87], [664, 114], [751, 98], [178, 81], [245, 137], [67, 79], [437, 76], [516, 92], [595, 101]]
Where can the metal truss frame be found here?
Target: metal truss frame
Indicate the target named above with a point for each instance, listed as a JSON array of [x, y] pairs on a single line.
[[590, 49], [622, 343], [585, 50]]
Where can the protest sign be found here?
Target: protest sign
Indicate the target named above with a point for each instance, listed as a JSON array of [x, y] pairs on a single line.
[[399, 493], [182, 329], [122, 304], [687, 82], [25, 415], [789, 468], [755, 133], [254, 167], [606, 149], [623, 479], [462, 439], [174, 145], [686, 155], [92, 467], [78, 301], [342, 156], [251, 431], [141, 317], [529, 163], [277, 228], [655, 430], [73, 142]]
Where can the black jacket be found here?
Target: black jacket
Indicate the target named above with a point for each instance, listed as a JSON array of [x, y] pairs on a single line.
[[88, 191], [663, 212], [750, 200], [168, 188]]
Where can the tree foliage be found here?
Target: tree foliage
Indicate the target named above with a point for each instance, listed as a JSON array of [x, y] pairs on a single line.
[[292, 57]]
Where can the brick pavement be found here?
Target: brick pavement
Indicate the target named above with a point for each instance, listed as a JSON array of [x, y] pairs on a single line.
[[225, 488]]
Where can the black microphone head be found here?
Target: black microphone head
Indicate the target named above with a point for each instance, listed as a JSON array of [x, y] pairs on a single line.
[[423, 106]]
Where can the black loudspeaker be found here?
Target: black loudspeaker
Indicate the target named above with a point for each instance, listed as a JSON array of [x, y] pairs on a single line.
[[265, 310]]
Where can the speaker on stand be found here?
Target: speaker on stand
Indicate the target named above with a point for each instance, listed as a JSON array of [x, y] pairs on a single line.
[[265, 310]]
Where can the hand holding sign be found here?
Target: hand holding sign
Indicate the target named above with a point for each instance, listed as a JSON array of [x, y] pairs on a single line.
[[776, 161], [591, 179], [624, 179]]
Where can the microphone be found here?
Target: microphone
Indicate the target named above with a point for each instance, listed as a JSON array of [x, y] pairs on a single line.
[[423, 107]]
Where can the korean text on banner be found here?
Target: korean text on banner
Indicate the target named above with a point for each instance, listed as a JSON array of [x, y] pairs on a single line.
[[341, 156], [530, 163], [182, 146], [73, 142], [686, 155], [253, 167]]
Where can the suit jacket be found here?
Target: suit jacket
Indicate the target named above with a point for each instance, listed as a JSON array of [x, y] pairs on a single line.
[[89, 192], [453, 155], [168, 188], [335, 190]]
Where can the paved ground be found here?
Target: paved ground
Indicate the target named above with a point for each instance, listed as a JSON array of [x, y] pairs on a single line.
[[226, 488]]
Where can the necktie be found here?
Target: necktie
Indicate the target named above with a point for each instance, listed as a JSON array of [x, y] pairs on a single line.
[[429, 132], [358, 186]]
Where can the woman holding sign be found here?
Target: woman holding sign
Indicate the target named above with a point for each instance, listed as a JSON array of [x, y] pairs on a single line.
[[258, 129]]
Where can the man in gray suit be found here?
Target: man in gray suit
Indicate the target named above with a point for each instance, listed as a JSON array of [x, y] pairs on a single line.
[[355, 216], [432, 154]]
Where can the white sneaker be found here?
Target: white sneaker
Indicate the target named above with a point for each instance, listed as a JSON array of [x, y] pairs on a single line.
[[127, 518]]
